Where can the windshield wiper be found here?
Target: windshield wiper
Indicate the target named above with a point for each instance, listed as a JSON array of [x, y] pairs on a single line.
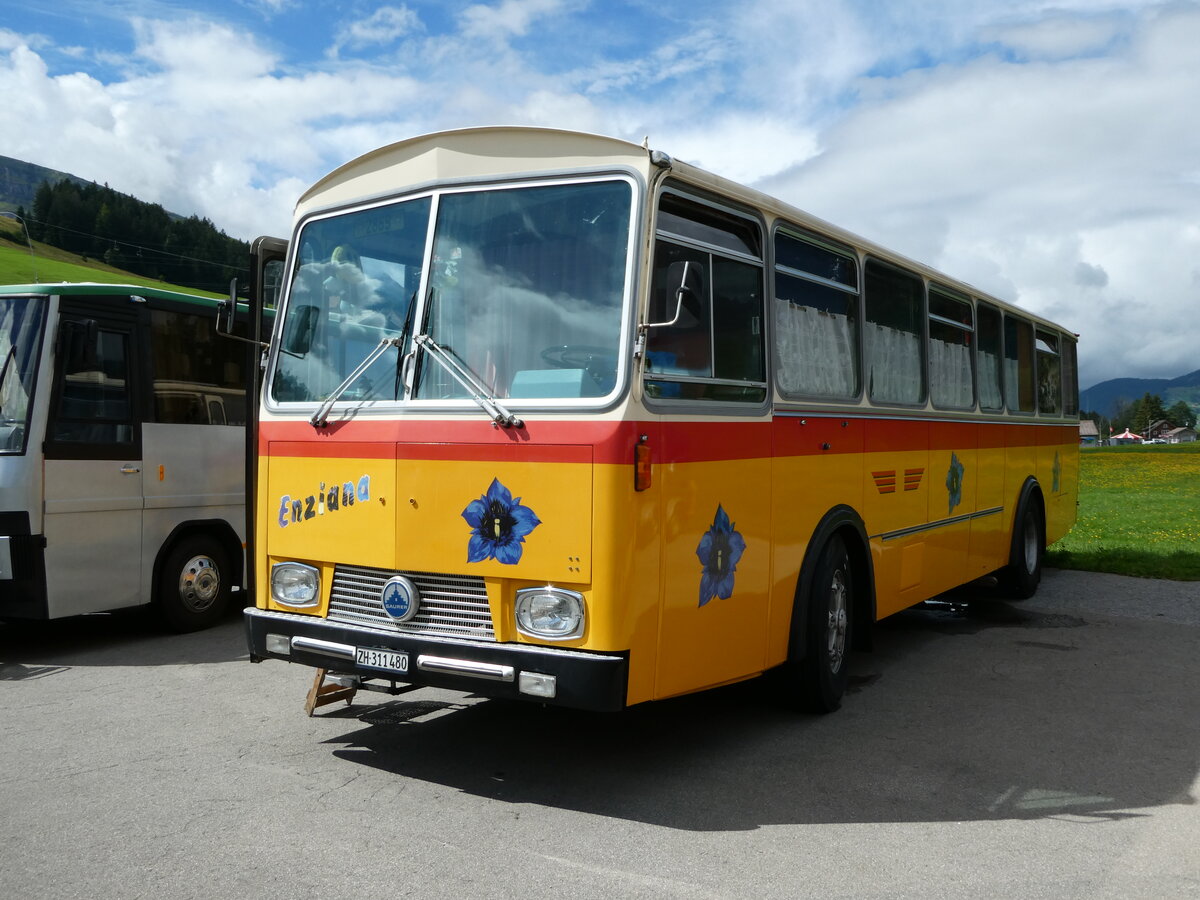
[[321, 417], [465, 377]]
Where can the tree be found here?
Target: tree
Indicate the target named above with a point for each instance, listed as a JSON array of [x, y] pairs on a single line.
[[1181, 415], [1148, 411], [137, 236]]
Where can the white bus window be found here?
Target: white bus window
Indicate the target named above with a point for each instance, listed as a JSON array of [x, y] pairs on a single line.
[[988, 353], [816, 319], [1018, 364], [951, 333], [895, 313], [1070, 374], [709, 345], [1049, 374]]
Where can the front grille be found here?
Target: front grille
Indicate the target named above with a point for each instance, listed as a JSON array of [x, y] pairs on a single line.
[[451, 605]]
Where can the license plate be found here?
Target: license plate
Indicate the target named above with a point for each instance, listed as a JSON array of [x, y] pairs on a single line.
[[389, 660]]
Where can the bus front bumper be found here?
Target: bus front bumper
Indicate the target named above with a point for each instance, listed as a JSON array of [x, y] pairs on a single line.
[[562, 677]]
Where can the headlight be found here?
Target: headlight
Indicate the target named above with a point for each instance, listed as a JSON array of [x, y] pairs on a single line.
[[294, 584], [548, 612]]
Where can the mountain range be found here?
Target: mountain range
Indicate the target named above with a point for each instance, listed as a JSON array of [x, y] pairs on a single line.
[[19, 182], [1107, 396]]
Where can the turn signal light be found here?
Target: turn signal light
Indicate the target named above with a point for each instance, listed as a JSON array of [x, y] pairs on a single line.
[[641, 465]]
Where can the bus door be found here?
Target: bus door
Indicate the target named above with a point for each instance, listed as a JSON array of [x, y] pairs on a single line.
[[706, 372], [93, 464]]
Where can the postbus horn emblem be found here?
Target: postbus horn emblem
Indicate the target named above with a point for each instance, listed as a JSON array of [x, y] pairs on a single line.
[[400, 598]]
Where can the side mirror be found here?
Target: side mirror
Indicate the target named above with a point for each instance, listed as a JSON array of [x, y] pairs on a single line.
[[301, 327], [682, 278], [227, 310]]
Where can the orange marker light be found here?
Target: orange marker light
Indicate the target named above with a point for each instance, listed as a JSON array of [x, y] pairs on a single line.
[[641, 465]]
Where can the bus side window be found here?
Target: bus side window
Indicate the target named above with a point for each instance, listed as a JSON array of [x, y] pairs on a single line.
[[199, 378], [714, 349], [94, 396], [683, 347], [1018, 364], [895, 351]]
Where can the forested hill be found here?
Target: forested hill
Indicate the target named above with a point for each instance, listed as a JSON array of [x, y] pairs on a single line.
[[19, 182], [96, 221], [1109, 397]]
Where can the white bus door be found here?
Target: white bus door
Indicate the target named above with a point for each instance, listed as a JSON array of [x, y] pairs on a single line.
[[93, 466]]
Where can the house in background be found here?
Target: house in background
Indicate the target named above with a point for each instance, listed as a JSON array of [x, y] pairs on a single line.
[[1089, 434], [1158, 430], [1180, 435]]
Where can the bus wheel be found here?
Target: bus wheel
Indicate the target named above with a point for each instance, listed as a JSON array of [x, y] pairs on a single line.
[[823, 671], [1020, 578], [193, 584]]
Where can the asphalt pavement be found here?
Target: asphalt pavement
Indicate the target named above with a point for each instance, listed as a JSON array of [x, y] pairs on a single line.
[[1049, 748]]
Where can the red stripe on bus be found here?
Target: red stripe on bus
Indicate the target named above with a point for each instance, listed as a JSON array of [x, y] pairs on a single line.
[[612, 442]]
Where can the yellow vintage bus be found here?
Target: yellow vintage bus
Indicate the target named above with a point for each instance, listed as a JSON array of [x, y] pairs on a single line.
[[555, 416]]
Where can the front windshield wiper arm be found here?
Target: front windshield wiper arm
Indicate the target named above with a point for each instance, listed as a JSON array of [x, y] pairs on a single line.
[[460, 373], [321, 417]]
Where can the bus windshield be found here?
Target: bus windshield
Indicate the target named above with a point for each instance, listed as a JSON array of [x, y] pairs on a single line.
[[21, 322], [523, 287]]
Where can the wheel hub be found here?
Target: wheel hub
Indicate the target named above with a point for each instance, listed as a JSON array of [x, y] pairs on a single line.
[[199, 583]]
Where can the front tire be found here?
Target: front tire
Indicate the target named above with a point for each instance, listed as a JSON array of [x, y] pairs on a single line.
[[194, 584], [823, 672]]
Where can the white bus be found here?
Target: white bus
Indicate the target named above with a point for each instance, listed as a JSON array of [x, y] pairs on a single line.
[[122, 454]]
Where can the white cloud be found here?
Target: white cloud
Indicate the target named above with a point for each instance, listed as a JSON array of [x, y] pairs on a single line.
[[1043, 150], [509, 18], [383, 27], [1020, 177], [1059, 36]]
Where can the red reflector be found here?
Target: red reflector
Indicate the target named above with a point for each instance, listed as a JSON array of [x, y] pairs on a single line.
[[641, 467]]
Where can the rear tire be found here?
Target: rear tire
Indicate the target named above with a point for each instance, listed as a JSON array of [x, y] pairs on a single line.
[[194, 584], [1021, 577], [823, 671]]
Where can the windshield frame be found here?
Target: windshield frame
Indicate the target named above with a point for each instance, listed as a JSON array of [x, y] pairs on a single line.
[[38, 340], [413, 356]]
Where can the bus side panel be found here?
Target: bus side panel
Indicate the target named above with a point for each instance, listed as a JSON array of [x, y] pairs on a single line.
[[953, 485], [896, 490], [716, 488], [990, 527], [1058, 472], [190, 472], [623, 612], [1020, 463], [808, 481], [93, 527]]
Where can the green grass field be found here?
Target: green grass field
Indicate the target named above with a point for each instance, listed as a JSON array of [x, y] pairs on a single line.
[[1139, 513], [52, 265]]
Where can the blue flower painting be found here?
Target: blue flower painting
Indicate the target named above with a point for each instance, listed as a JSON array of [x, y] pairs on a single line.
[[719, 552], [954, 482], [499, 524]]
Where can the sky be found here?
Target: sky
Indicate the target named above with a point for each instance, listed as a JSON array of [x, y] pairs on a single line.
[[1045, 152]]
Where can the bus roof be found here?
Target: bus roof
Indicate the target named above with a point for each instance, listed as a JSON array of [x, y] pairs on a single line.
[[499, 151], [95, 289], [469, 153]]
